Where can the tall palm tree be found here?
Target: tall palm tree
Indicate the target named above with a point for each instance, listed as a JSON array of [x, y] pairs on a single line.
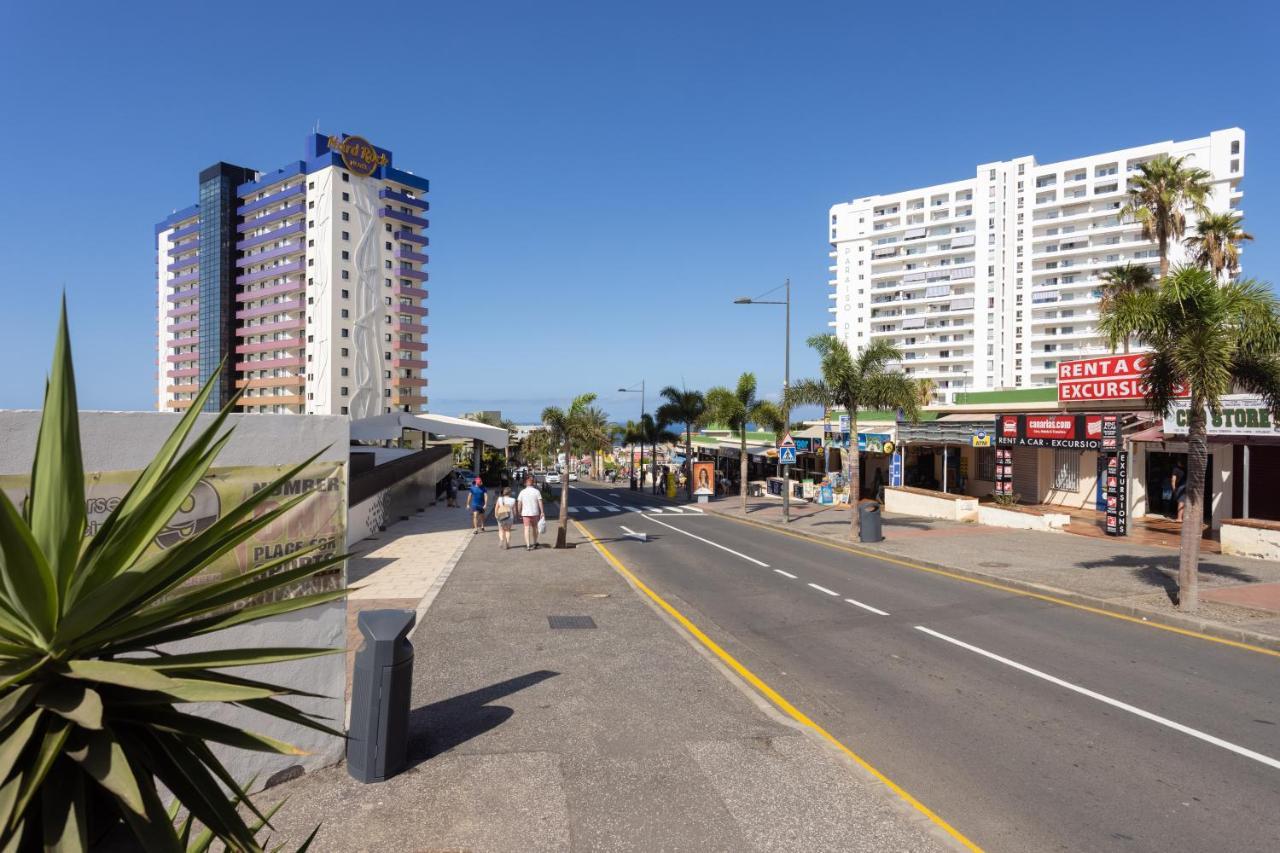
[[1126, 278], [683, 407], [924, 391], [852, 382], [1216, 243], [737, 408], [1214, 338], [652, 433], [581, 425], [1159, 197], [536, 446], [633, 434]]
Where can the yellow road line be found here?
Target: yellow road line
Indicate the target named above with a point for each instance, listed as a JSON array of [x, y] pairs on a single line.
[[773, 696], [1052, 599]]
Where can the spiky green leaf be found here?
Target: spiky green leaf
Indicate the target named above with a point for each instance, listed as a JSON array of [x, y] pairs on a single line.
[[75, 702], [29, 585], [103, 759]]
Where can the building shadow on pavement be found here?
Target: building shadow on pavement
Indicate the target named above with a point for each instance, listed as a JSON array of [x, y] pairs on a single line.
[[1162, 571], [443, 725]]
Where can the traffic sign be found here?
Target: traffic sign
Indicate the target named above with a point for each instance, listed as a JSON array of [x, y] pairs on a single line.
[[787, 442], [787, 454]]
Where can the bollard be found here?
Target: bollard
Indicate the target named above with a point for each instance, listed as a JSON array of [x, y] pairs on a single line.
[[869, 522], [378, 740]]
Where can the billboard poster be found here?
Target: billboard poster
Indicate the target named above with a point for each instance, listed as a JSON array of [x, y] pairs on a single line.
[[319, 520], [704, 478], [1079, 432], [1111, 377], [1239, 414]]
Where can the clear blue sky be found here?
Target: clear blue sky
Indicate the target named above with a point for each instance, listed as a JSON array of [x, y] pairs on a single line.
[[606, 177]]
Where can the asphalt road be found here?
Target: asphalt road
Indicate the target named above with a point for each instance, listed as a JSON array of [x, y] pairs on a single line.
[[1026, 725]]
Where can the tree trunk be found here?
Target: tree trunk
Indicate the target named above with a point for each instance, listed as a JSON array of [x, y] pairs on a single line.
[[742, 469], [1193, 508], [854, 468], [1164, 255], [562, 532], [688, 458]]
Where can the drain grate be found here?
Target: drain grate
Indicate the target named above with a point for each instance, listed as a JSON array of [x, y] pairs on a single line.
[[571, 621]]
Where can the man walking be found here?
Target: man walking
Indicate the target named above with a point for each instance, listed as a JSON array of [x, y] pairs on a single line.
[[478, 503], [529, 502]]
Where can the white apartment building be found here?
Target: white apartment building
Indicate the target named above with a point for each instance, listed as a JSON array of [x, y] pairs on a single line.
[[990, 281]]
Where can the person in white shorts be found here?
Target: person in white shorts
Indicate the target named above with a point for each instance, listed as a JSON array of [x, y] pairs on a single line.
[[529, 502], [504, 510]]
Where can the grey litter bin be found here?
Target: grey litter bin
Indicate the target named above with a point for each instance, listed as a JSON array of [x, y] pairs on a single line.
[[378, 739], [869, 521]]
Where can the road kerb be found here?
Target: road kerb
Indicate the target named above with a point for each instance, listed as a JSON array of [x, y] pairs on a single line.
[[1188, 626]]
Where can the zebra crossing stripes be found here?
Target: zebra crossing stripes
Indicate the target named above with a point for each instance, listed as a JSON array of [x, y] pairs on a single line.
[[650, 510]]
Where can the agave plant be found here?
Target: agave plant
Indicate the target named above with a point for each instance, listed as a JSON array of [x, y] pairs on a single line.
[[91, 688]]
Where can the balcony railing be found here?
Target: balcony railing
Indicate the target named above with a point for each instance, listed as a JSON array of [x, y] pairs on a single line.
[[259, 239], [407, 218], [393, 195]]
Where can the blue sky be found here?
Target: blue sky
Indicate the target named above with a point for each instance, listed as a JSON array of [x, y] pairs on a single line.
[[606, 177]]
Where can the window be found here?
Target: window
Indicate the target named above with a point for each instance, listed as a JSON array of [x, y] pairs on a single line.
[[1235, 149], [311, 244], [346, 196], [346, 256], [346, 371], [1066, 469], [344, 391], [346, 333], [346, 179], [346, 235], [386, 374], [386, 392], [345, 411], [345, 313], [311, 185], [346, 217], [345, 273], [1235, 165], [345, 352], [987, 461], [346, 294], [311, 205], [388, 246], [388, 227]]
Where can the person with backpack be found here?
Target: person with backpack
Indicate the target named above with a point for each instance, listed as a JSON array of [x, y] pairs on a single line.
[[504, 510]]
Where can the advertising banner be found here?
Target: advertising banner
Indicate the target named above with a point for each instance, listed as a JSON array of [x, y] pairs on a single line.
[[1240, 414], [319, 520], [704, 478], [1111, 377], [1082, 432], [873, 442], [1116, 489]]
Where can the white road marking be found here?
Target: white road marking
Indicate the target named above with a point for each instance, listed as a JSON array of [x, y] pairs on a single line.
[[712, 544], [785, 574], [823, 589], [694, 509], [591, 509], [589, 494], [1115, 703], [643, 537], [612, 495], [674, 509], [574, 508], [866, 607]]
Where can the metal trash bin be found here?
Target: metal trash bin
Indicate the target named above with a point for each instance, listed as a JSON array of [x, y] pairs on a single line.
[[378, 738], [869, 522]]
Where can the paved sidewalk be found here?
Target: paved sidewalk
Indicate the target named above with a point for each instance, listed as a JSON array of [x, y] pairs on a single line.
[[1238, 596], [621, 737]]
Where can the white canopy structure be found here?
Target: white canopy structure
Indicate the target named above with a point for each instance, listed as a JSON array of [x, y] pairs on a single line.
[[382, 427]]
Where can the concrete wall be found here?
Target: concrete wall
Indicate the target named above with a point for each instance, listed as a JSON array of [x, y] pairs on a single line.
[[996, 516], [126, 441], [390, 505], [1251, 540], [926, 504]]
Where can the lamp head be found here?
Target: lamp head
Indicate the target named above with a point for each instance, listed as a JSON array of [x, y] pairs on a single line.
[[742, 300]]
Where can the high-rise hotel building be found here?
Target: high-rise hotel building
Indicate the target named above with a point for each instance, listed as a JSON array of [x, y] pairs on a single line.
[[308, 281], [988, 282]]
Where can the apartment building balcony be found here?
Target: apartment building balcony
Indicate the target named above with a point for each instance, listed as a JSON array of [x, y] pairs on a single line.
[[182, 372], [285, 345], [184, 279], [188, 246], [183, 310], [296, 324], [278, 252], [409, 397], [185, 231], [272, 382], [410, 237], [184, 326], [268, 236], [412, 292], [1076, 334], [270, 399], [407, 218], [413, 346], [408, 363], [270, 308], [273, 216], [179, 358], [416, 257], [184, 263], [295, 191], [416, 275], [179, 295], [271, 272], [414, 310], [403, 198], [270, 364], [409, 382], [182, 389], [178, 405]]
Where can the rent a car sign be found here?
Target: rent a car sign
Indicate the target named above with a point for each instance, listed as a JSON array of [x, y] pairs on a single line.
[[1111, 377]]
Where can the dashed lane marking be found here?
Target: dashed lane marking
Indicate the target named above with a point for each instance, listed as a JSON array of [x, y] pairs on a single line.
[[824, 589], [785, 574], [875, 610]]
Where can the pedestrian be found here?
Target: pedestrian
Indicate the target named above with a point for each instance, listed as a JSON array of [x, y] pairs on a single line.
[[1178, 486], [503, 510], [531, 513], [451, 490], [478, 503]]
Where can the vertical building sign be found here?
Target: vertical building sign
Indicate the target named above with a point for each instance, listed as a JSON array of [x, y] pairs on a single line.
[[1004, 471], [1117, 491]]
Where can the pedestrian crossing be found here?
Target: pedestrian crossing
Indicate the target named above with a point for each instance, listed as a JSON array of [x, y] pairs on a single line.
[[589, 509]]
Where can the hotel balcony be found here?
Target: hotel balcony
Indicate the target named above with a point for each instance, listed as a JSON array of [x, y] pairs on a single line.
[[270, 308], [407, 327], [185, 325], [288, 344], [183, 264], [270, 364], [416, 310], [295, 191], [270, 272], [413, 292], [416, 275], [410, 237], [271, 382], [181, 357], [409, 363], [185, 230], [279, 251], [178, 405], [409, 382], [282, 326], [184, 310], [182, 372], [407, 218], [412, 346], [393, 195], [179, 295], [416, 257], [189, 246], [185, 279], [273, 216], [275, 234], [295, 286], [182, 389], [272, 400]]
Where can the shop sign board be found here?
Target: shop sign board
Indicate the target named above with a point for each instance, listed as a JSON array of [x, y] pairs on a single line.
[[1117, 494], [844, 423], [981, 438], [895, 470], [874, 442], [1111, 377], [1240, 414], [1082, 432]]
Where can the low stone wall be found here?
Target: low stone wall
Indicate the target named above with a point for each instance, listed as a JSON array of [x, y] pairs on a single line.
[[1242, 537], [395, 490], [1022, 519], [908, 500]]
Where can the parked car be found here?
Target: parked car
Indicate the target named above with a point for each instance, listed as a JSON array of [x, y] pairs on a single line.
[[552, 478], [573, 478]]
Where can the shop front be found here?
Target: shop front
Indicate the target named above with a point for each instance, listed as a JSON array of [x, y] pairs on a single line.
[[952, 454]]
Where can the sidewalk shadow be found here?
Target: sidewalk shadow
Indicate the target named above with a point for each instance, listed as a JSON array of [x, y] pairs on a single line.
[[440, 726], [1162, 571]]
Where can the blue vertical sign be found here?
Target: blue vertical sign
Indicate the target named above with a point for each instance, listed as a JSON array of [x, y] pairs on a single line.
[[895, 469]]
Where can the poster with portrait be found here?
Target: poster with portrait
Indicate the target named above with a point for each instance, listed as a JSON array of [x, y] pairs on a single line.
[[704, 478]]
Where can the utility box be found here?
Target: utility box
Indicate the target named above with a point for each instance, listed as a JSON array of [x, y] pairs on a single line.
[[869, 522], [378, 739]]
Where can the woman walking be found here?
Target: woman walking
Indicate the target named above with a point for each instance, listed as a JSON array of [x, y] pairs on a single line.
[[504, 509]]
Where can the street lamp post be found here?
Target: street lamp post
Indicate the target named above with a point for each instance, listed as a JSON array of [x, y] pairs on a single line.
[[786, 385], [640, 391]]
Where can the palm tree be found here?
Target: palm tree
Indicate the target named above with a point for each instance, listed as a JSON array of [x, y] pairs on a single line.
[[1126, 278], [737, 408], [651, 433], [1159, 197], [683, 407], [1213, 338], [851, 383], [1216, 244], [633, 434], [924, 391], [582, 425], [536, 446]]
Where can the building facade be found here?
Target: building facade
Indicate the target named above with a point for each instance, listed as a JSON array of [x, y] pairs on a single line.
[[988, 282], [308, 282]]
